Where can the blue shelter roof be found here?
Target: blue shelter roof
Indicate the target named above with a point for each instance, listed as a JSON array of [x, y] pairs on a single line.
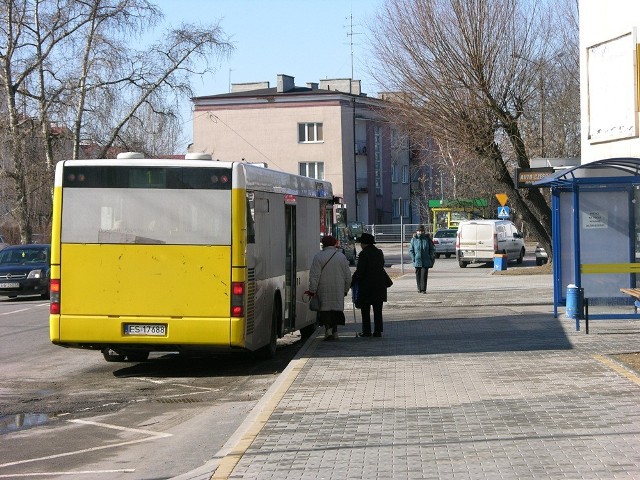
[[612, 170]]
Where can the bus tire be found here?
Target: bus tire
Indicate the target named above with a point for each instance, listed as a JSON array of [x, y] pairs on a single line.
[[112, 356], [269, 350]]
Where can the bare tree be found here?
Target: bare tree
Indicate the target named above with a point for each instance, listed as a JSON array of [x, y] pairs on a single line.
[[67, 73], [467, 69]]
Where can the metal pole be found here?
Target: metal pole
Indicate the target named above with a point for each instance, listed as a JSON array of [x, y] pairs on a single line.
[[355, 158], [542, 152], [401, 237]]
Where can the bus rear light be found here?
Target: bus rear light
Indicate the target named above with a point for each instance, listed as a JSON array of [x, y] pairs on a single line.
[[54, 291], [237, 299], [237, 288]]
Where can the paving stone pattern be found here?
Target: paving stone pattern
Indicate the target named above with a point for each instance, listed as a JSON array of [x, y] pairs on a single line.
[[480, 382]]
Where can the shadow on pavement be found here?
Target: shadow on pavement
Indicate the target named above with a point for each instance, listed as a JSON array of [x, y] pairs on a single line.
[[453, 335]]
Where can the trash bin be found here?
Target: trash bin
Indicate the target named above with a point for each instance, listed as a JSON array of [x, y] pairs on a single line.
[[575, 302], [499, 261]]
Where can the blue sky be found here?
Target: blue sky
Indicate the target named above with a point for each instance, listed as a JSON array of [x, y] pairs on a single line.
[[305, 39]]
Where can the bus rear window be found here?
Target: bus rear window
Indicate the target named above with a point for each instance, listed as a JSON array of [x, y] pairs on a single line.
[[95, 176], [149, 216]]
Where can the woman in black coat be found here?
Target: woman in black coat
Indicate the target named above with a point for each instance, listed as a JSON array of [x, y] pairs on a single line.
[[371, 280]]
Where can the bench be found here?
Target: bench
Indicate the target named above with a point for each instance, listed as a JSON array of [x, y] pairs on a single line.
[[634, 292]]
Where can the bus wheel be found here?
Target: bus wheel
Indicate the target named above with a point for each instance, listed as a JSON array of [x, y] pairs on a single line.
[[112, 356], [137, 356], [269, 350]]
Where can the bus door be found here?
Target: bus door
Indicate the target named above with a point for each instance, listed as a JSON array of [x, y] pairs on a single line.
[[291, 267]]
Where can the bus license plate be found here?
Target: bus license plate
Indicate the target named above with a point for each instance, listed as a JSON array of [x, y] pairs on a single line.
[[9, 285], [156, 329]]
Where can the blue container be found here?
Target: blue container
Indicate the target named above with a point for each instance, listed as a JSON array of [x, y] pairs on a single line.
[[575, 302], [499, 261]]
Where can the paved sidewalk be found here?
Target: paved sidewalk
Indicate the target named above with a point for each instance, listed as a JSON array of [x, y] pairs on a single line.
[[473, 382]]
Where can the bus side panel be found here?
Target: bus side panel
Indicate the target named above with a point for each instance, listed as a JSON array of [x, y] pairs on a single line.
[[145, 280], [308, 245], [268, 256]]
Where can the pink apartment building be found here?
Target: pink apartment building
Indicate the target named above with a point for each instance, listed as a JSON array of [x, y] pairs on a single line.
[[328, 130]]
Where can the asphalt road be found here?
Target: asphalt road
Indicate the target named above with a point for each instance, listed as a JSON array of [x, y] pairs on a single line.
[[70, 414]]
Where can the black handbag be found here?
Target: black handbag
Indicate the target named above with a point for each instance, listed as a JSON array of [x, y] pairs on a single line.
[[389, 281], [314, 303]]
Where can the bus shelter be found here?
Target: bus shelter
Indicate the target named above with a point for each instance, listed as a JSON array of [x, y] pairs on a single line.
[[596, 235]]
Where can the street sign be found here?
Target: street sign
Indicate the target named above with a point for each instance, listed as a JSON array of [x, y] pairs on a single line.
[[503, 212], [502, 198]]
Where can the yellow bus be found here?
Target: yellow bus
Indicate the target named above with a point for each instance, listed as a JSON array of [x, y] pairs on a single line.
[[188, 255]]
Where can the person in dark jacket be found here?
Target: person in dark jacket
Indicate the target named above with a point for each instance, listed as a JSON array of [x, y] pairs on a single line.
[[371, 280], [423, 253]]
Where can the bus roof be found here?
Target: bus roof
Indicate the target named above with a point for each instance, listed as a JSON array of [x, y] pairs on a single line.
[[244, 175]]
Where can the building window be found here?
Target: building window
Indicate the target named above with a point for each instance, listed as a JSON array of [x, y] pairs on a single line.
[[394, 172], [405, 174], [310, 133], [400, 205], [312, 169]]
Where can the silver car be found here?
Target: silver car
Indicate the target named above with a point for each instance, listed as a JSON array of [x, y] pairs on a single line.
[[445, 242]]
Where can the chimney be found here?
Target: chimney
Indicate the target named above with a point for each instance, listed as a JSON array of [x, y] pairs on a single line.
[[285, 83], [312, 85]]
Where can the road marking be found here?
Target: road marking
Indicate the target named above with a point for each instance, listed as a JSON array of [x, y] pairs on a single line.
[[15, 311], [83, 472], [152, 436], [618, 369]]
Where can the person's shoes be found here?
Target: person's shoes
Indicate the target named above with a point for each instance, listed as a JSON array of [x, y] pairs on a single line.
[[328, 333], [423, 291], [364, 334], [335, 335], [377, 334]]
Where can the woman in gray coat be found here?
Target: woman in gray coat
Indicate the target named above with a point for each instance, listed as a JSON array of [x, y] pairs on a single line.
[[330, 279]]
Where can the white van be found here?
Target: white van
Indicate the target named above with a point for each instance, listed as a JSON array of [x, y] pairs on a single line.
[[479, 240]]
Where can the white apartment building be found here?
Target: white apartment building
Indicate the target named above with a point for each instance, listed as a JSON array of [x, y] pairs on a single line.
[[609, 61], [328, 130]]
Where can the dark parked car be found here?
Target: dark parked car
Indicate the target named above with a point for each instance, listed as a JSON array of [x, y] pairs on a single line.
[[25, 270], [445, 242]]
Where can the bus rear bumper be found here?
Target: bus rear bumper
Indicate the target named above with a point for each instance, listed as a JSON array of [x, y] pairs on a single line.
[[157, 333]]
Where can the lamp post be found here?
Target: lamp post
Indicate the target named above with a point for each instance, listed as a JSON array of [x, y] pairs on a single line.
[[538, 64], [541, 79], [401, 236]]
